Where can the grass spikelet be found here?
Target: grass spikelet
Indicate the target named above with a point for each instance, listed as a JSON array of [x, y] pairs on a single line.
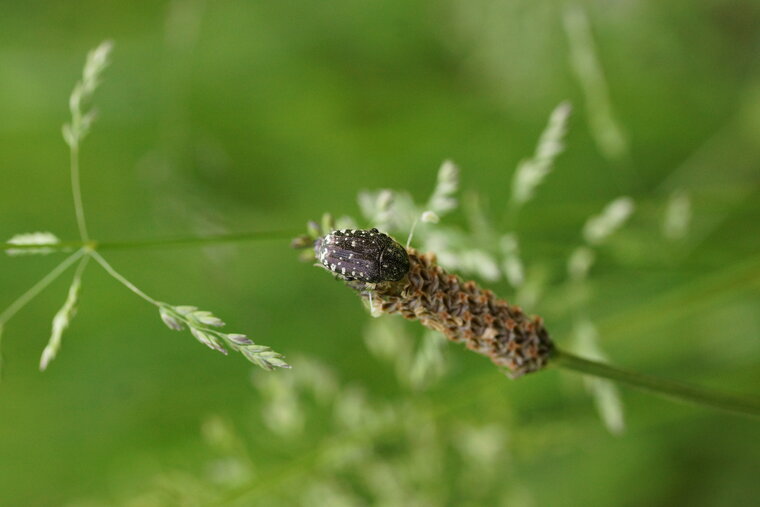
[[442, 200], [204, 326], [531, 172], [97, 61], [63, 318], [428, 364], [613, 216], [580, 262], [33, 238], [512, 265], [675, 224]]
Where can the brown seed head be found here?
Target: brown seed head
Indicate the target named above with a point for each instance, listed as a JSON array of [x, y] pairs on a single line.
[[465, 313]]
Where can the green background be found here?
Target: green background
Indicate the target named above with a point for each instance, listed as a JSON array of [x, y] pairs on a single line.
[[246, 116]]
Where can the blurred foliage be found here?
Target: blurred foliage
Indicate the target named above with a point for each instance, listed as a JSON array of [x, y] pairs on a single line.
[[237, 116]]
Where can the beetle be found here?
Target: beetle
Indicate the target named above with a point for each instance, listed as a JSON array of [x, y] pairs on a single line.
[[365, 255]]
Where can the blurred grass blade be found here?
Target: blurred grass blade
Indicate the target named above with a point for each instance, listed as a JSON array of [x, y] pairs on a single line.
[[606, 395], [608, 403], [605, 129]]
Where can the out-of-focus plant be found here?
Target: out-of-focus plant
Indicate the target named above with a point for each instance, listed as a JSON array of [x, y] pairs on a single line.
[[203, 325], [335, 443]]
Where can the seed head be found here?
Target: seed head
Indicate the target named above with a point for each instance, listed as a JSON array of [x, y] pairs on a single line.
[[464, 313]]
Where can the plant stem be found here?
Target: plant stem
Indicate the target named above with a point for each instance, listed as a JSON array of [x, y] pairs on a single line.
[[80, 268], [111, 271], [668, 388], [66, 246], [38, 287], [213, 239], [76, 190]]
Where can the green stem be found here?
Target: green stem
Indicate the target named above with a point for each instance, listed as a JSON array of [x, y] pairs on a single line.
[[39, 287], [668, 388], [216, 239], [76, 190], [129, 285]]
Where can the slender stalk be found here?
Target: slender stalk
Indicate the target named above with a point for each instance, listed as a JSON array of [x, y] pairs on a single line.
[[80, 268], [38, 287], [67, 246], [667, 388], [76, 191], [214, 239], [111, 271]]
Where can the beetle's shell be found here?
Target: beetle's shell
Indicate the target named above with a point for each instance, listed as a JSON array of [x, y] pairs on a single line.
[[365, 255]]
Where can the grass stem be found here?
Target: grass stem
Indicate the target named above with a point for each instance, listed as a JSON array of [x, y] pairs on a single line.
[[76, 191], [667, 388], [111, 271], [38, 287]]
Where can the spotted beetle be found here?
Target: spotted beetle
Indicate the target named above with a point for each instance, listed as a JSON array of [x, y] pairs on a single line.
[[366, 255]]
